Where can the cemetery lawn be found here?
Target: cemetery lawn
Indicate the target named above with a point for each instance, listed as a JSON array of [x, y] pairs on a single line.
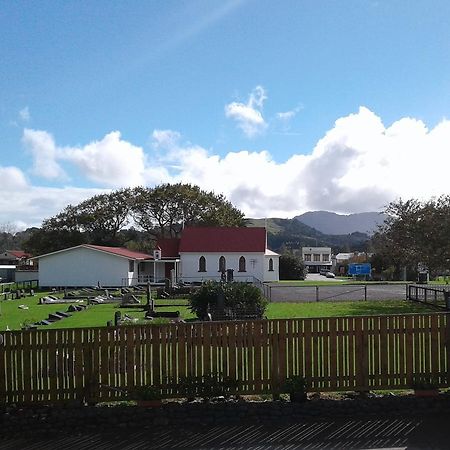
[[13, 317]]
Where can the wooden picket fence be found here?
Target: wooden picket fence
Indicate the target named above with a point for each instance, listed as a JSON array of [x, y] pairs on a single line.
[[334, 354]]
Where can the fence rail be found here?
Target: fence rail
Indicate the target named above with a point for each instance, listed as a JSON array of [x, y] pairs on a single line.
[[334, 354], [438, 296]]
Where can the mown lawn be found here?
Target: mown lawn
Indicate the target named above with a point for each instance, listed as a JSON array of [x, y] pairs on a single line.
[[337, 309], [13, 317]]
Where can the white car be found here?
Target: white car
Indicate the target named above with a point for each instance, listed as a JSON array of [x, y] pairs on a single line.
[[330, 275]]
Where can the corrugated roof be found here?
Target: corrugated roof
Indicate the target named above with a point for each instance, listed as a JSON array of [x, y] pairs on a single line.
[[169, 247], [120, 251], [18, 253], [221, 239]]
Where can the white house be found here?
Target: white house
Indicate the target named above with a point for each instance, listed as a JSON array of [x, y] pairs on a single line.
[[201, 254], [91, 265], [317, 258]]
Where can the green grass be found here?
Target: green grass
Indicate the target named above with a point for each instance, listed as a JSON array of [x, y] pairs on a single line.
[[337, 309], [14, 318], [98, 315]]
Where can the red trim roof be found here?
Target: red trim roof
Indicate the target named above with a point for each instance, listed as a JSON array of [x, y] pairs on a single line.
[[169, 247], [205, 239], [18, 253], [120, 251]]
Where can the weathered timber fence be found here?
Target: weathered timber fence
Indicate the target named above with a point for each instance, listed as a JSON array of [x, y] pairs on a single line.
[[334, 354], [438, 296]]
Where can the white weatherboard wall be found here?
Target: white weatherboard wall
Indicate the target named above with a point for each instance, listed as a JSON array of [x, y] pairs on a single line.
[[83, 267], [256, 266], [272, 275]]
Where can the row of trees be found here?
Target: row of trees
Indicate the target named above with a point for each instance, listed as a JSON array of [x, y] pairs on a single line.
[[161, 211], [415, 234]]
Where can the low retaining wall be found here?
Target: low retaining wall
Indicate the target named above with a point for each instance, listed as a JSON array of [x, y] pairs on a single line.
[[25, 422]]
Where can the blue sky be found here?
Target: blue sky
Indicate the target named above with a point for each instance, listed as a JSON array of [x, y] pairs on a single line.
[[282, 106]]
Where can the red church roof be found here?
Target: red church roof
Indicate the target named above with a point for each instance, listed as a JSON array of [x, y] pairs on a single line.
[[169, 247], [206, 239]]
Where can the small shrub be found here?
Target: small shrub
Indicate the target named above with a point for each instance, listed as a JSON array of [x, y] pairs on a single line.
[[205, 386], [424, 382], [295, 384], [146, 392], [238, 299], [296, 387]]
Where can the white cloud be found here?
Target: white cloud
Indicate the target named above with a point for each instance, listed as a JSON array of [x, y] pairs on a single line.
[[28, 205], [13, 179], [359, 165], [42, 146], [249, 116], [287, 116], [24, 114], [111, 161]]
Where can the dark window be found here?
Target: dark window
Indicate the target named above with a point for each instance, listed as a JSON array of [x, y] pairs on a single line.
[[242, 264], [270, 265], [130, 265], [202, 264], [222, 264]]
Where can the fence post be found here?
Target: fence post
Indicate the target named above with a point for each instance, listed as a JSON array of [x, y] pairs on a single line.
[[447, 340], [317, 293], [361, 353], [2, 368], [365, 292]]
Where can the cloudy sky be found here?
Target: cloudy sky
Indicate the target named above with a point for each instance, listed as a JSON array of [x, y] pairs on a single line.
[[284, 107]]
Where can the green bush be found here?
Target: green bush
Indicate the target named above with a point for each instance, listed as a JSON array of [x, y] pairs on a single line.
[[205, 386], [146, 392], [238, 299]]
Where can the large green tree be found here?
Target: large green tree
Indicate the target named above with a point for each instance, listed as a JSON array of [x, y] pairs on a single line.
[[159, 211], [165, 209], [415, 233]]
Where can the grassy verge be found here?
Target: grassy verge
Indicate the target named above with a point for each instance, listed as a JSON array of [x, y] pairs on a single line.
[[338, 309], [13, 317]]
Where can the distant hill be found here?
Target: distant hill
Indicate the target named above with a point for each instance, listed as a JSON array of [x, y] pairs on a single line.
[[332, 223], [291, 234]]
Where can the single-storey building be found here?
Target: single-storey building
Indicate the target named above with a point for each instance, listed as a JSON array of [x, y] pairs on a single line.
[[90, 265], [206, 253], [200, 254]]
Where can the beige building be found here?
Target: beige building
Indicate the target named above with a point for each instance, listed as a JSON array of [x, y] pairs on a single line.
[[317, 258]]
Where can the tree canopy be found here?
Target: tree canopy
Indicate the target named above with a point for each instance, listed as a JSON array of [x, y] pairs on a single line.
[[165, 209], [415, 233], [161, 211], [291, 267]]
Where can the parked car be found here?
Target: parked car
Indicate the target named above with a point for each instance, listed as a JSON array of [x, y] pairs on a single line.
[[330, 275]]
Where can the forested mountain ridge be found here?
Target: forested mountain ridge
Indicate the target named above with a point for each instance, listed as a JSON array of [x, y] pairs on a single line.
[[331, 223], [291, 234]]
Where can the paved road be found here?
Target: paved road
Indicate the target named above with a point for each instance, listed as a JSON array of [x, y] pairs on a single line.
[[281, 292], [339, 434]]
